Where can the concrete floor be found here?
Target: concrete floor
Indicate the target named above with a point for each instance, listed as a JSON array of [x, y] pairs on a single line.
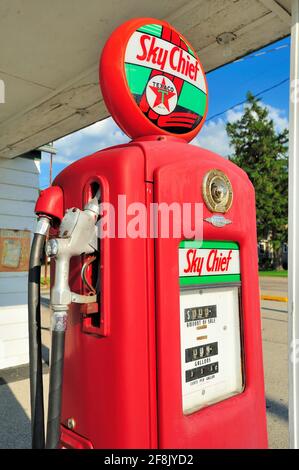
[[14, 396], [15, 428]]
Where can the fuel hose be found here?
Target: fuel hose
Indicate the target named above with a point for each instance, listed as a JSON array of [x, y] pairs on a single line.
[[35, 342], [59, 319]]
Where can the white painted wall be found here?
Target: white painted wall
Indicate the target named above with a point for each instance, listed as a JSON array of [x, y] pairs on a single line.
[[19, 180]]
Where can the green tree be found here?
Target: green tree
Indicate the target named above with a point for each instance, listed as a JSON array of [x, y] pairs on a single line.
[[262, 152]]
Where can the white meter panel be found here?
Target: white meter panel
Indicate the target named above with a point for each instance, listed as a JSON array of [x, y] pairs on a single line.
[[210, 346], [211, 349]]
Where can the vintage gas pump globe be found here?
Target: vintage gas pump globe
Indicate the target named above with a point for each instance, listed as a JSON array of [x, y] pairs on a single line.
[[156, 339], [152, 81]]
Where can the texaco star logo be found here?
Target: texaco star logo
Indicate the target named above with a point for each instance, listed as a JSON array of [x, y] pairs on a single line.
[[161, 95]]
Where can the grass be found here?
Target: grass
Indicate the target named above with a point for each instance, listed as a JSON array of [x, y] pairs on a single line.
[[273, 273], [45, 282]]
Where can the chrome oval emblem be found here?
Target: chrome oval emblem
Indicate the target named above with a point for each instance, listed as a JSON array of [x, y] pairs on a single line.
[[217, 191]]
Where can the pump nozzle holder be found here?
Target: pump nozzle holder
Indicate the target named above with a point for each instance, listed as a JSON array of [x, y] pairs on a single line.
[[50, 203]]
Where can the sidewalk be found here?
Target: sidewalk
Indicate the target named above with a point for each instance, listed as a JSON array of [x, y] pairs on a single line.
[[15, 428], [275, 352]]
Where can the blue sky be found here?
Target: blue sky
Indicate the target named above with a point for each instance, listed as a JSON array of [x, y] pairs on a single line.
[[227, 87]]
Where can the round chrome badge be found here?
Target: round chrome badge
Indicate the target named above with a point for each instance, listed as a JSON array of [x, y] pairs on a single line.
[[217, 191]]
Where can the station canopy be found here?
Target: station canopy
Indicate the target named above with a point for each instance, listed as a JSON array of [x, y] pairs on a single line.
[[49, 54]]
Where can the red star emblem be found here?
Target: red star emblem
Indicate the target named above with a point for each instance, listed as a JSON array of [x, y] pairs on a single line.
[[162, 95]]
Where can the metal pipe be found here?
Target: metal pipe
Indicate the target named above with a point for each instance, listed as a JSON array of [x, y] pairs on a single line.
[[293, 222]]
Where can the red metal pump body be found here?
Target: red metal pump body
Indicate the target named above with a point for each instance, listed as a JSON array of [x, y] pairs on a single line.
[[122, 373]]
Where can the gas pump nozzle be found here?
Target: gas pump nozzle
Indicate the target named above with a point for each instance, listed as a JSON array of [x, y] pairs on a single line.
[[77, 235]]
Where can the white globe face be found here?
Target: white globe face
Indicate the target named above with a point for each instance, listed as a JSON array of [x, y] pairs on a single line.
[[161, 95]]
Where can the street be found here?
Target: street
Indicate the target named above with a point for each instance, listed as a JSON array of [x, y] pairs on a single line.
[[275, 351]]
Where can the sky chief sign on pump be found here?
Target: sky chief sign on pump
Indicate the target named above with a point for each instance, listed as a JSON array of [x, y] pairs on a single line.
[[166, 78], [209, 261]]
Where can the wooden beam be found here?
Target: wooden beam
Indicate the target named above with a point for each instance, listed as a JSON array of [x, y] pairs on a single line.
[[283, 14], [244, 30]]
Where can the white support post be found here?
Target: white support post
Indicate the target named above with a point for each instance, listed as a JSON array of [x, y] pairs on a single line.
[[293, 247]]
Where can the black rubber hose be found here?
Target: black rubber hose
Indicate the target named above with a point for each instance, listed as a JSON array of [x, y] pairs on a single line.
[[35, 343], [55, 389]]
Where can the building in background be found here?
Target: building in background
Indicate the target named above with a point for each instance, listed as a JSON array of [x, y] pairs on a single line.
[[19, 187]]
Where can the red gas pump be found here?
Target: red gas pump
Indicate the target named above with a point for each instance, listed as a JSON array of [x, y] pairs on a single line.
[[163, 331]]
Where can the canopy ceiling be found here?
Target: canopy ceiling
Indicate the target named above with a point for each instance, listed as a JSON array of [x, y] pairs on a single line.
[[49, 54]]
